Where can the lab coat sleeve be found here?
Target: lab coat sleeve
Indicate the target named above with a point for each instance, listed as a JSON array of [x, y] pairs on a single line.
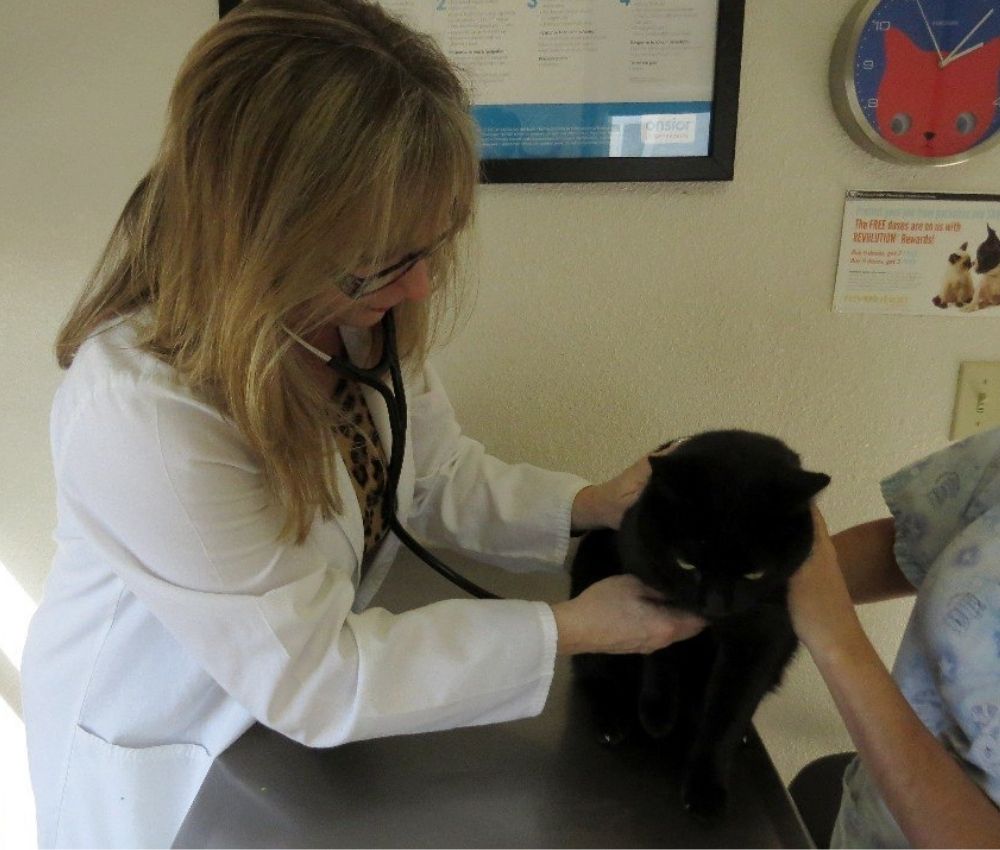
[[516, 516], [173, 502]]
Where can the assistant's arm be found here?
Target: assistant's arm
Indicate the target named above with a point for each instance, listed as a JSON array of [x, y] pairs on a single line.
[[868, 563], [932, 799]]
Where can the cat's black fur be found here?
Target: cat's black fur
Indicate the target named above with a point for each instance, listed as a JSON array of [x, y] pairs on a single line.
[[729, 504], [988, 253]]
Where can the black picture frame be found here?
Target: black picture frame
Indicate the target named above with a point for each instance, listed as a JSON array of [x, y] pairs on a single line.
[[717, 165]]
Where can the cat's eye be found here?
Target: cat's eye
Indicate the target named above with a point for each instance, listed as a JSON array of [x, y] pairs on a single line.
[[965, 123], [901, 123], [684, 565], [754, 576]]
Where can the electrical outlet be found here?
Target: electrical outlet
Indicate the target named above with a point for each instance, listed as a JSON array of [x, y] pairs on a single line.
[[977, 398]]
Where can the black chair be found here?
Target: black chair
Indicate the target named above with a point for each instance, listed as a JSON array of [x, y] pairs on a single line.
[[816, 791]]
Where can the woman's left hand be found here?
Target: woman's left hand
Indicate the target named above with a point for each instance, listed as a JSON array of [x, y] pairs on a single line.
[[820, 606], [603, 505]]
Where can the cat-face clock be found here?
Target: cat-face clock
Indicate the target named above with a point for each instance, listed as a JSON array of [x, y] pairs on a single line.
[[918, 81]]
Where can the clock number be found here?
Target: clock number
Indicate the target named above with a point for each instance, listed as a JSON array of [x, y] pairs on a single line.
[[872, 103], [868, 65], [882, 26]]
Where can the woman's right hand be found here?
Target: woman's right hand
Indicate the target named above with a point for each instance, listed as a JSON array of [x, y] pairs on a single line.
[[620, 615]]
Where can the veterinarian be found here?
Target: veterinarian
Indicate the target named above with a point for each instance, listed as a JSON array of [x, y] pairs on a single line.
[[220, 524], [927, 771]]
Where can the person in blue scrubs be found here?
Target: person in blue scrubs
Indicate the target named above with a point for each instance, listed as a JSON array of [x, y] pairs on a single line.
[[927, 772]]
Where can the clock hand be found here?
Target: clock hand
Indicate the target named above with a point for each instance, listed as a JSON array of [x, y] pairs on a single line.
[[927, 23], [951, 56]]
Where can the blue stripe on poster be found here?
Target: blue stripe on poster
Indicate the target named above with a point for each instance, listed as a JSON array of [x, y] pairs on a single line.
[[581, 130]]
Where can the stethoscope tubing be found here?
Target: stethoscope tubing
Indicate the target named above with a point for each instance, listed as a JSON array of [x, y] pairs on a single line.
[[395, 403]]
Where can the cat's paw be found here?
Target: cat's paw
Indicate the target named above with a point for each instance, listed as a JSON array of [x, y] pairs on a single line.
[[612, 728], [703, 794], [612, 737]]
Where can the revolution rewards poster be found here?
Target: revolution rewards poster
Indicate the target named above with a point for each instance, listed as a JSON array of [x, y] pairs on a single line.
[[919, 254]]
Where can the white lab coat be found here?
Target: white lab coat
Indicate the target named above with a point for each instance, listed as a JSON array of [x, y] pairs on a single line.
[[173, 618]]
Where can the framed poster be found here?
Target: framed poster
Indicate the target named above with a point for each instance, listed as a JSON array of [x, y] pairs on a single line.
[[594, 90]]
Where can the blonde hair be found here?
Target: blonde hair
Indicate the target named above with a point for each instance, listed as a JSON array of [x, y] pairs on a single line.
[[305, 139]]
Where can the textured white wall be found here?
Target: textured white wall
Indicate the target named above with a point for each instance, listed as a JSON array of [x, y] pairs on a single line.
[[608, 318]]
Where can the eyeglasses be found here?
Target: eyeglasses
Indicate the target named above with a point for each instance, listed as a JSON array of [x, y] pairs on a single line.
[[355, 287]]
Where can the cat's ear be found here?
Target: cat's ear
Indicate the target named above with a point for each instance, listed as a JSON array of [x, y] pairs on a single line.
[[898, 48], [668, 476], [813, 482], [808, 484], [798, 486]]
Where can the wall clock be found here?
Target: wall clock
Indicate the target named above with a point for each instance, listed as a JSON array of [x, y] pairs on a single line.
[[918, 81]]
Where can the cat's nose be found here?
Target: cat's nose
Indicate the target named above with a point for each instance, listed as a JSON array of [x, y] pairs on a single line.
[[929, 136], [715, 604]]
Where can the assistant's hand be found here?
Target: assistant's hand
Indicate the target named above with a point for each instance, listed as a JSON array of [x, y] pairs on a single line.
[[618, 615], [821, 609], [603, 505]]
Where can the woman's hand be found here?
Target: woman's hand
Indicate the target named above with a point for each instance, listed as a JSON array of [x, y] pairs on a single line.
[[603, 505], [821, 609], [620, 614]]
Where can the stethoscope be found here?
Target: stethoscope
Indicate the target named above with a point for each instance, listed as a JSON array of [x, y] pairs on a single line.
[[395, 403]]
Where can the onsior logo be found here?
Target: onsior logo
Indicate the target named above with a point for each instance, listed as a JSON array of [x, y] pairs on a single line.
[[669, 129]]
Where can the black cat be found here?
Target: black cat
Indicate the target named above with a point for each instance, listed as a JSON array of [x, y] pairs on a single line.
[[988, 252], [721, 526]]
